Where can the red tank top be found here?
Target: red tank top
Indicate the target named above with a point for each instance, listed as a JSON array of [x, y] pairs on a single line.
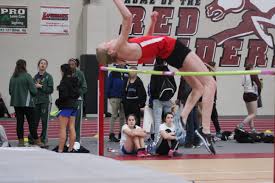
[[154, 46]]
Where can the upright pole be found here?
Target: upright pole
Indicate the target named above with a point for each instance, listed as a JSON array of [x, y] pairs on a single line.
[[100, 112]]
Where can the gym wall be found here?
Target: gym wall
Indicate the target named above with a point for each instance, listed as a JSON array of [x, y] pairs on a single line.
[[33, 46]]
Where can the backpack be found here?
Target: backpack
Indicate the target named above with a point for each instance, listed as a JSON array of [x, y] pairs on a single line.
[[268, 138], [75, 88], [243, 136], [167, 90]]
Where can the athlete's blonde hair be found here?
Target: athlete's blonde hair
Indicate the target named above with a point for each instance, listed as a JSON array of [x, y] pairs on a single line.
[[103, 57]]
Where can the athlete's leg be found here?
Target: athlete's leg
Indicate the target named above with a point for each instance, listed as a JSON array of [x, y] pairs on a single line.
[[201, 85]]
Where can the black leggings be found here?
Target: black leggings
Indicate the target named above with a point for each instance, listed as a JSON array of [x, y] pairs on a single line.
[[21, 112], [166, 145], [215, 119]]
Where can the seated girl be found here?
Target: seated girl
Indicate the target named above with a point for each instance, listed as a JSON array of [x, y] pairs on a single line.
[[167, 143], [132, 138]]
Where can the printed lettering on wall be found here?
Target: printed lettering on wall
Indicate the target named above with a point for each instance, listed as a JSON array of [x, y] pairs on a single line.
[[198, 25]]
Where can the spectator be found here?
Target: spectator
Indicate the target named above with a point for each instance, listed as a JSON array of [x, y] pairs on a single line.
[[3, 108], [162, 89], [166, 141], [69, 92], [252, 89], [192, 123], [114, 93], [134, 95], [214, 115], [132, 138], [22, 90], [3, 137], [74, 64], [44, 84]]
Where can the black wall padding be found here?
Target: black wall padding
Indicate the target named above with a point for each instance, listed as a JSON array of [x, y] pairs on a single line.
[[89, 65]]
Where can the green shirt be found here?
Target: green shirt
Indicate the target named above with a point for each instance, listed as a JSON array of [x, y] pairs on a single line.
[[22, 90], [44, 93], [83, 85]]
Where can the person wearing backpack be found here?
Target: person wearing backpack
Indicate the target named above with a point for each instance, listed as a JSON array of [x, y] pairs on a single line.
[[74, 65], [134, 95], [162, 89], [252, 90], [69, 91]]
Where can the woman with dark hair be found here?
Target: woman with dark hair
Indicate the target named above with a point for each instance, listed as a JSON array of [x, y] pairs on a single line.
[[132, 138], [67, 103], [252, 89], [76, 72], [22, 90], [44, 84], [167, 143]]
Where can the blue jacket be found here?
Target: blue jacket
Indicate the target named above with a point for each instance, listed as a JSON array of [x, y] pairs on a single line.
[[115, 85]]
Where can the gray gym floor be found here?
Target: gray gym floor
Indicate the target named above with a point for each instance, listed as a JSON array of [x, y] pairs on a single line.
[[35, 165], [222, 147]]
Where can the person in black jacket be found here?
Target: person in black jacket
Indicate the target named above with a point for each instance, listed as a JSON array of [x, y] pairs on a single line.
[[134, 95], [67, 103], [161, 105]]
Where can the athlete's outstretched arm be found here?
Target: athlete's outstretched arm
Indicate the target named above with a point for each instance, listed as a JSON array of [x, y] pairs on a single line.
[[126, 22], [154, 17]]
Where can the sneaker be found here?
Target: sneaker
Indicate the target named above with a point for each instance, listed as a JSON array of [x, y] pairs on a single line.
[[72, 151], [177, 154], [147, 154], [38, 142], [240, 126], [21, 143], [207, 141], [141, 153], [171, 153], [30, 140], [188, 145], [174, 153], [254, 130], [5, 144], [198, 144], [219, 135], [151, 148], [112, 138], [45, 145]]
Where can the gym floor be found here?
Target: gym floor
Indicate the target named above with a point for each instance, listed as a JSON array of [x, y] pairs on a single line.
[[234, 162]]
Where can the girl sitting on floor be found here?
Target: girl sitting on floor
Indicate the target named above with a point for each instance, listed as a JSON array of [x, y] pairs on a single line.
[[167, 143], [132, 138]]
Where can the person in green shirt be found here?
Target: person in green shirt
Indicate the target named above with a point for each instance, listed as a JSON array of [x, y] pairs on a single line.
[[74, 64], [22, 91], [44, 84]]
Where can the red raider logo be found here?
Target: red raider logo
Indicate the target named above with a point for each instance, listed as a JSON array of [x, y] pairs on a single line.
[[258, 17]]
